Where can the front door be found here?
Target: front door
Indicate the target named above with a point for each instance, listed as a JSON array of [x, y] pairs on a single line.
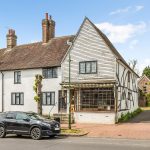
[[62, 101]]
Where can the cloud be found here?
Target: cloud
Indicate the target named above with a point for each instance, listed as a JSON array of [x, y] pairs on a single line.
[[139, 7], [121, 33], [118, 11], [143, 64], [127, 9]]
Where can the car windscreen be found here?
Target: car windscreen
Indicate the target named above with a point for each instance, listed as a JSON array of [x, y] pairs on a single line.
[[35, 116]]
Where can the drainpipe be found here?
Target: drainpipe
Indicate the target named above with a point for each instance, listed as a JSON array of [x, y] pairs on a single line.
[[2, 91]]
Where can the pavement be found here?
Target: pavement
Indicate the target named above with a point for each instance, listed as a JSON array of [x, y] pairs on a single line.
[[136, 128], [72, 143]]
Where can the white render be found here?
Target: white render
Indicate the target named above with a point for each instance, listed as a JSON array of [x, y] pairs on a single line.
[[102, 118], [26, 86]]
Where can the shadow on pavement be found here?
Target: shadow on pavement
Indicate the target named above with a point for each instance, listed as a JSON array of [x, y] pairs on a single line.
[[143, 117]]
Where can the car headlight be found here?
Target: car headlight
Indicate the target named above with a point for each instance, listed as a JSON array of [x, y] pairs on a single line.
[[46, 124]]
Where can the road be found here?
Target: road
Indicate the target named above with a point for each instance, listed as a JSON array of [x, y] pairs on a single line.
[[72, 143]]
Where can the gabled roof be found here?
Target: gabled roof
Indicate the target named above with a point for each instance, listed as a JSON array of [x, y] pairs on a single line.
[[35, 55], [142, 77], [110, 45]]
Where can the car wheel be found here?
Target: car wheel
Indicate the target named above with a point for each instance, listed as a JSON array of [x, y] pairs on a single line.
[[2, 132], [36, 133]]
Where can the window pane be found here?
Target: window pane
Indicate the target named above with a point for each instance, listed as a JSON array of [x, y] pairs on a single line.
[[49, 73], [13, 98], [53, 98], [48, 99], [44, 98], [21, 98], [54, 72], [45, 73], [17, 100], [15, 76], [88, 67], [94, 67], [82, 67]]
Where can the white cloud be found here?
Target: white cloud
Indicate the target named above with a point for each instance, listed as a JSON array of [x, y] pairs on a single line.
[[133, 43], [121, 33], [139, 7], [127, 9], [118, 11], [143, 64]]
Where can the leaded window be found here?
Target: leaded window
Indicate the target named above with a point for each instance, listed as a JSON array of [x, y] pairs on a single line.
[[17, 98], [50, 72], [48, 98], [88, 67], [17, 77]]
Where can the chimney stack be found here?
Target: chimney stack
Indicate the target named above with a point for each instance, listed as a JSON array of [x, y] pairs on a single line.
[[48, 29], [11, 38]]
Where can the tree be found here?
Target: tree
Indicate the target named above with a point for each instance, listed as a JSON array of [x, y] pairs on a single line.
[[37, 88], [146, 71], [133, 64]]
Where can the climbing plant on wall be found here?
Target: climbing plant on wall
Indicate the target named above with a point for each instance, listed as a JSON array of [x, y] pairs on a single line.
[[37, 87]]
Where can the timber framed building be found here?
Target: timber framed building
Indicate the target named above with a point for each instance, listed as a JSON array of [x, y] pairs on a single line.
[[102, 84]]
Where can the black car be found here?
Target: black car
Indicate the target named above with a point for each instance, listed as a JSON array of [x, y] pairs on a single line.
[[27, 123]]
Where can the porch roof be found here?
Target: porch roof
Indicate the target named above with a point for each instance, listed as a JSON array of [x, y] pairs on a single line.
[[88, 85]]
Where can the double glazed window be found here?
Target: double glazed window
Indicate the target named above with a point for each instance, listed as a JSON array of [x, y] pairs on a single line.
[[48, 98], [17, 77], [50, 72], [17, 98], [88, 67]]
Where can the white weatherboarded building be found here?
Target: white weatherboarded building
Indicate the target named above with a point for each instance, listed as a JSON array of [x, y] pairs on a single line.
[[102, 84]]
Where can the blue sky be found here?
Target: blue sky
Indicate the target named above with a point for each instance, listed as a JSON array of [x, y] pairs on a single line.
[[125, 22]]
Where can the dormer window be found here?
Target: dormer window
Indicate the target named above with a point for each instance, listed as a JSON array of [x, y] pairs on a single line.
[[88, 67], [17, 77]]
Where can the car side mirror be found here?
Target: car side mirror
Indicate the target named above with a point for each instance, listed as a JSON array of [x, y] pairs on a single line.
[[26, 119]]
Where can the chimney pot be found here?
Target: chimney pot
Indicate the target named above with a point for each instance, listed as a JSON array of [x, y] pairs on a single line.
[[46, 16]]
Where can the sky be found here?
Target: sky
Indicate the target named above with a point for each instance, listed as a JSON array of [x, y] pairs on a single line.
[[125, 22]]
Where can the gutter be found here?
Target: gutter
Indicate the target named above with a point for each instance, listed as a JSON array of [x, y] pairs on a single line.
[[2, 91]]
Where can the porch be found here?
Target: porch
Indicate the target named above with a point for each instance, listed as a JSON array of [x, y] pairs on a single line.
[[90, 102]]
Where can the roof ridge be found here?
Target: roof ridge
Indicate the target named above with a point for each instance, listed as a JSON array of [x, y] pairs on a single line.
[[38, 42]]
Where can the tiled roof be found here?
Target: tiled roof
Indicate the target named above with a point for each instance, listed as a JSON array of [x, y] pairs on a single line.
[[35, 55]]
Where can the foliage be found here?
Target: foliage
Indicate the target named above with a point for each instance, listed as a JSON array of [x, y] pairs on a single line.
[[129, 115], [146, 71], [36, 87]]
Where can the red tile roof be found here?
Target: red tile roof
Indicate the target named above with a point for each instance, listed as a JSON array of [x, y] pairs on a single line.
[[35, 55]]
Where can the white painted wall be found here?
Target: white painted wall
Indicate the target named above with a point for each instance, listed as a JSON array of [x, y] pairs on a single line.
[[132, 88], [91, 117], [26, 86]]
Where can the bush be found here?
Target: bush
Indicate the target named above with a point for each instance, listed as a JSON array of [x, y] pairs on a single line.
[[126, 117]]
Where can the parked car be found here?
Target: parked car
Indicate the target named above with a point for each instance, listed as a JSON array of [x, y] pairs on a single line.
[[27, 123]]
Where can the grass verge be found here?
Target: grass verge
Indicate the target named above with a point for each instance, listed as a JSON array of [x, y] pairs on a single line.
[[129, 115]]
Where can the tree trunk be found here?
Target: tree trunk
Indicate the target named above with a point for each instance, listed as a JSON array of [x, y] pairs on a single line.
[[39, 105]]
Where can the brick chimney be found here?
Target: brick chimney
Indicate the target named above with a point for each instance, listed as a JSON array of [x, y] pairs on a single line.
[[51, 27], [48, 28], [11, 38]]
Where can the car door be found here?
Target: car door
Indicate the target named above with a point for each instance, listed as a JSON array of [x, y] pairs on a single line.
[[10, 121], [22, 123]]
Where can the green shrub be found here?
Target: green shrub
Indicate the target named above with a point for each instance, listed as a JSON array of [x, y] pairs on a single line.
[[129, 115]]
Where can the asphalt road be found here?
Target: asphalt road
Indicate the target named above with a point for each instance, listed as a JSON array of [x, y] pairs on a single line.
[[72, 143]]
